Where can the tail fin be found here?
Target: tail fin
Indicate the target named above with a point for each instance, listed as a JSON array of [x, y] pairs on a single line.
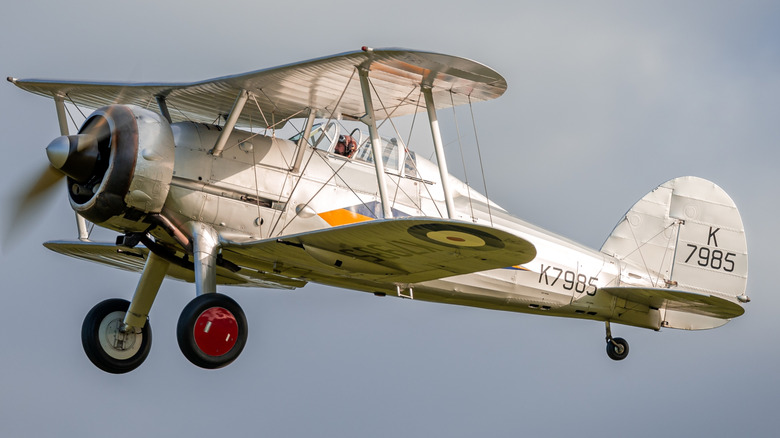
[[686, 235]]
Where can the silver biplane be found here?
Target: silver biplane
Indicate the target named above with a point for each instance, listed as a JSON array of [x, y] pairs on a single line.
[[209, 203]]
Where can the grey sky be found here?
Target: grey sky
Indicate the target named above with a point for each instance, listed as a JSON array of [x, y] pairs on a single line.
[[605, 101]]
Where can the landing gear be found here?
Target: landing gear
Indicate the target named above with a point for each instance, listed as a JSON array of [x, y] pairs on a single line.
[[212, 331], [212, 328], [108, 343], [617, 348]]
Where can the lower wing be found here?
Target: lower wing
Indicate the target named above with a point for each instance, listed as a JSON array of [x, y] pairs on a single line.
[[387, 252], [407, 250]]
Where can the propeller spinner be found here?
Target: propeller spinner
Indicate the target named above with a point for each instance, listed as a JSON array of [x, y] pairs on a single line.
[[74, 155]]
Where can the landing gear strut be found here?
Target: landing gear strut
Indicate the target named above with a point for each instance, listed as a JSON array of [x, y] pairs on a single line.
[[617, 348], [212, 328], [116, 334]]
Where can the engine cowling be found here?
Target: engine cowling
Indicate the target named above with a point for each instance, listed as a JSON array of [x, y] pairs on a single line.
[[119, 166]]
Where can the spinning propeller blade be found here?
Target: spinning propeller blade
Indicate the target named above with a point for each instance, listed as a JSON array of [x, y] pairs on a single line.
[[27, 205]]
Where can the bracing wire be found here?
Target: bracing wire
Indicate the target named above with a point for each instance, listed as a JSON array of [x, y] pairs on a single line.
[[72, 120], [330, 118], [316, 193], [76, 106], [276, 223], [262, 114], [639, 249], [181, 112], [414, 118], [462, 158], [388, 115], [481, 167]]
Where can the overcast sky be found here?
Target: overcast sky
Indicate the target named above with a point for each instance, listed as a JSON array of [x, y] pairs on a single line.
[[606, 101]]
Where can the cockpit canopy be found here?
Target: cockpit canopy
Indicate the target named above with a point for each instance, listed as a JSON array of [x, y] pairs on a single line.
[[332, 138]]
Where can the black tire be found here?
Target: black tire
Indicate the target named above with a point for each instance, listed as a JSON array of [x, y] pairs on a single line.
[[217, 351], [619, 351], [108, 348]]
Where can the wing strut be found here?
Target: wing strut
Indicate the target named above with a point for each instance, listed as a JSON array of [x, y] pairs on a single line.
[[243, 95], [440, 158], [163, 105], [376, 142], [59, 103]]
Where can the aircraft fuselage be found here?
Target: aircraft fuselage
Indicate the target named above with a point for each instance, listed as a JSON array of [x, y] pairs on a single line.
[[249, 193]]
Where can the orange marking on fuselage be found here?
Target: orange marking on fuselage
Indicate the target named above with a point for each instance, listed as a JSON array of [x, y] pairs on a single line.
[[342, 217]]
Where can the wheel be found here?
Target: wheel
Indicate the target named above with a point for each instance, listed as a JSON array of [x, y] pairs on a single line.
[[617, 349], [106, 345], [212, 331]]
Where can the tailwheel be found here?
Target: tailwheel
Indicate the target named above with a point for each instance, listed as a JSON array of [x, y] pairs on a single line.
[[212, 331], [108, 343], [617, 348]]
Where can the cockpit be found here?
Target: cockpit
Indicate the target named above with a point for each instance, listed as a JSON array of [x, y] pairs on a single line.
[[355, 145]]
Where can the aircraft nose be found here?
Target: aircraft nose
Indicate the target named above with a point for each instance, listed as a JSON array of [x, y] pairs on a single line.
[[58, 151], [74, 155]]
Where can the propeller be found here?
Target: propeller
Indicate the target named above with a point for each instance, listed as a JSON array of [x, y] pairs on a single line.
[[76, 156], [27, 206]]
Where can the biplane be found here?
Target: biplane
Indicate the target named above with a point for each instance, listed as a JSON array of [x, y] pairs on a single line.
[[199, 191]]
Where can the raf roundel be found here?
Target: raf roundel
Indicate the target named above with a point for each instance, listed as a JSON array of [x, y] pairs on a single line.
[[457, 238]]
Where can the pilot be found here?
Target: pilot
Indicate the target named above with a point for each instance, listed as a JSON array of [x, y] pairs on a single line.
[[346, 146]]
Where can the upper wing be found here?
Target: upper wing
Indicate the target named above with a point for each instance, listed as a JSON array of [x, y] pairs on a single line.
[[286, 91], [388, 252]]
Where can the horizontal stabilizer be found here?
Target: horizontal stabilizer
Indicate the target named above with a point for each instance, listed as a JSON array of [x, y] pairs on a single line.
[[675, 304]]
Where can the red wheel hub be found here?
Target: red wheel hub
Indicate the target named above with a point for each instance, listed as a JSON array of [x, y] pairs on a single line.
[[216, 331]]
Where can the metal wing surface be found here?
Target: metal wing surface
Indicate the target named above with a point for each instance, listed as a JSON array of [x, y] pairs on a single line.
[[688, 302], [387, 252], [330, 85], [133, 259]]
